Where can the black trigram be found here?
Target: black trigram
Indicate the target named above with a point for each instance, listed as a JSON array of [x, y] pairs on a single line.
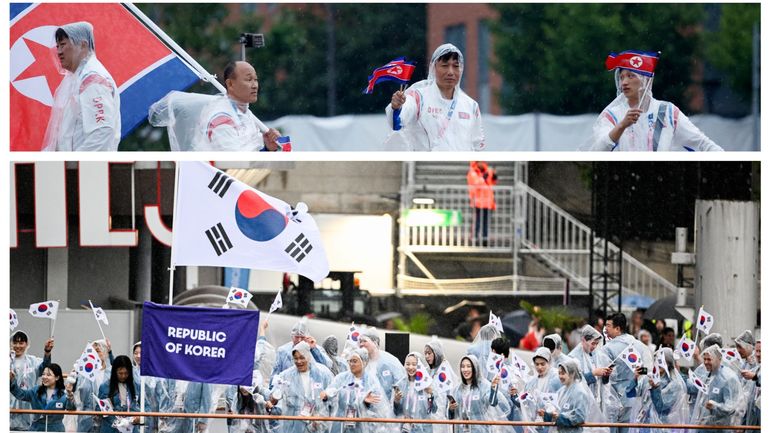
[[219, 239], [299, 248], [220, 183]]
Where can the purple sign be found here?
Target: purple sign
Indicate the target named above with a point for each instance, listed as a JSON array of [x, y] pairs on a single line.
[[209, 345]]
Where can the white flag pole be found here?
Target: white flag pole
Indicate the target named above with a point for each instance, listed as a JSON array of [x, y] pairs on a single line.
[[193, 64], [98, 322], [172, 267], [53, 325], [141, 404]]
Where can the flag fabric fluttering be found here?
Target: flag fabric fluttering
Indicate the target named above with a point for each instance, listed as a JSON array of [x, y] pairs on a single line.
[[520, 365], [422, 378], [220, 221], [641, 62], [445, 377], [44, 310], [239, 297], [14, 320], [705, 321], [89, 365], [686, 347], [631, 357], [399, 70], [698, 382], [144, 70], [105, 405], [730, 354], [277, 303], [353, 336], [100, 315], [494, 363], [284, 143], [495, 321]]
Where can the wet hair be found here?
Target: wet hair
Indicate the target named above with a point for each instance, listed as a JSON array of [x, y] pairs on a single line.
[[19, 337], [452, 55], [59, 386], [667, 330], [619, 320], [501, 346], [122, 361], [60, 35]]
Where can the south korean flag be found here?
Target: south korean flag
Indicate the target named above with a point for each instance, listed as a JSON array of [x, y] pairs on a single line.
[[220, 221]]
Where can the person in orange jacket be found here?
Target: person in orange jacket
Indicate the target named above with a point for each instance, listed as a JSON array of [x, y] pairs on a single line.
[[481, 178]]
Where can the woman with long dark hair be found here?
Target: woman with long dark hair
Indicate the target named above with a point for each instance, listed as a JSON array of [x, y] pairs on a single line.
[[475, 398], [48, 396], [122, 393]]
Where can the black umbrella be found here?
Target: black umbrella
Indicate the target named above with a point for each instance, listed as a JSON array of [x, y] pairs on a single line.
[[516, 326], [664, 308], [460, 310]]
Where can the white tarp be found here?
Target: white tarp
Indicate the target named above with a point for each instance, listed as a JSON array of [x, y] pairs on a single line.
[[526, 132]]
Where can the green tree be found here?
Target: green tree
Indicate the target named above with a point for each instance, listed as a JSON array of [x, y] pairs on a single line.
[[551, 56], [729, 49]]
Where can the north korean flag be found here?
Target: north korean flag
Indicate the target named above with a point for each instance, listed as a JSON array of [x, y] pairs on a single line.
[[143, 67], [398, 70], [641, 62]]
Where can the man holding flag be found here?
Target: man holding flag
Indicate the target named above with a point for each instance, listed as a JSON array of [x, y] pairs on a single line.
[[218, 122], [435, 114], [635, 121]]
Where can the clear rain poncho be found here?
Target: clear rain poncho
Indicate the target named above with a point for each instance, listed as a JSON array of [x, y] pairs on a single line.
[[588, 360], [382, 365], [418, 404], [574, 404], [530, 399], [27, 369], [662, 126], [666, 403], [429, 122], [346, 395], [481, 402], [440, 363], [301, 393], [482, 343], [85, 115], [199, 122], [723, 391]]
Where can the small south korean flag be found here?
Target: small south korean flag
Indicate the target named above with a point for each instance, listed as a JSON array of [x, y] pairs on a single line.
[[89, 364], [14, 320], [105, 405], [686, 347], [445, 377], [698, 382], [44, 310], [422, 377], [101, 316], [704, 321], [631, 357], [495, 321], [239, 297], [277, 303]]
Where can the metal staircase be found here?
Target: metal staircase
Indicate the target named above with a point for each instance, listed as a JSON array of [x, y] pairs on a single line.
[[526, 226]]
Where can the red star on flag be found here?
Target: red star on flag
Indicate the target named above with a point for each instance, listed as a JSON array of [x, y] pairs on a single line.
[[43, 66]]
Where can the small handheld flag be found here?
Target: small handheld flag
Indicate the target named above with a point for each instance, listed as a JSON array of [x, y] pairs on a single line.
[[44, 310], [549, 399], [494, 363], [705, 321], [398, 70], [660, 361], [105, 405], [239, 297], [631, 357], [277, 303], [100, 315], [698, 382], [495, 321], [14, 320], [520, 365], [641, 62], [730, 354], [422, 377], [354, 335], [284, 143], [686, 347], [445, 377], [89, 364]]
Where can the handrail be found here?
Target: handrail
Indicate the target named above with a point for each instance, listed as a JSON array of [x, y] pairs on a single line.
[[373, 420]]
